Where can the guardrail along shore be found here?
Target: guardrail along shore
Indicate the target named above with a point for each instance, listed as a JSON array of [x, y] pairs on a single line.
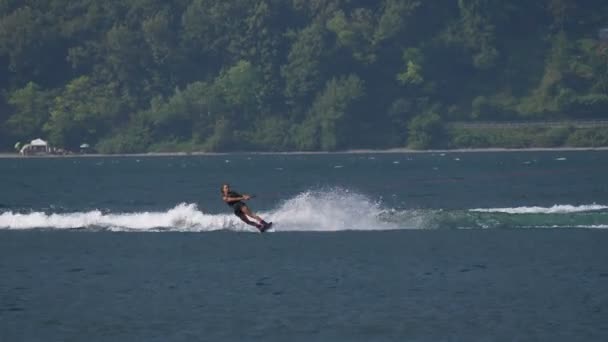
[[525, 124]]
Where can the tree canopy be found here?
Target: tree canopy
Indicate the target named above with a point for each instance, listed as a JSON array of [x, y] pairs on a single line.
[[215, 75]]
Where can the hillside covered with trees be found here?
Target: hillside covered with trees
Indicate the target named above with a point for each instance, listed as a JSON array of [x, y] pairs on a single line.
[[281, 75]]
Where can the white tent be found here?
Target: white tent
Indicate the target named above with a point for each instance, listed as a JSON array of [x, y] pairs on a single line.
[[38, 142], [36, 146]]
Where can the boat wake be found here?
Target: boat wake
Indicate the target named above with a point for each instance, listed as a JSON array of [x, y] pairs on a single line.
[[336, 210]]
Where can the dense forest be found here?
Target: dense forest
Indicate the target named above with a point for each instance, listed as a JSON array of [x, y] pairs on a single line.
[[281, 75]]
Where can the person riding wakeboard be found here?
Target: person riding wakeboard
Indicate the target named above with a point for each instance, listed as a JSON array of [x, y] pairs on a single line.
[[235, 201]]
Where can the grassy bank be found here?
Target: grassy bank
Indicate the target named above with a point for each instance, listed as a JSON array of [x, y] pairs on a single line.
[[454, 137], [527, 137]]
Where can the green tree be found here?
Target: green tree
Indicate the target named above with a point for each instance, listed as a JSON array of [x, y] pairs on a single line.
[[84, 112], [272, 134], [355, 33], [31, 105], [268, 74], [413, 74], [302, 72], [394, 17], [20, 31], [183, 116], [425, 131], [241, 87], [135, 137], [332, 110], [157, 34], [475, 31]]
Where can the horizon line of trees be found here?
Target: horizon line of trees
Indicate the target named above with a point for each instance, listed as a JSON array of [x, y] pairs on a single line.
[[214, 75]]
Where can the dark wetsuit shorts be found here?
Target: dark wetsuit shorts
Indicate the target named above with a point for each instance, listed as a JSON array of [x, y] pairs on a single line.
[[237, 207]]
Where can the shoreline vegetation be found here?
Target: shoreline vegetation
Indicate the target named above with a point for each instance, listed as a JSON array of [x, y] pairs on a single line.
[[182, 76], [355, 151], [454, 137]]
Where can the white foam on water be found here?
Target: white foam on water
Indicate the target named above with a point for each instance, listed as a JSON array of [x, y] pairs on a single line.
[[322, 210], [555, 209], [578, 226], [183, 217], [332, 210], [595, 226]]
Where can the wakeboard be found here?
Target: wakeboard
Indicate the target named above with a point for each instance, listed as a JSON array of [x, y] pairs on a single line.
[[266, 227]]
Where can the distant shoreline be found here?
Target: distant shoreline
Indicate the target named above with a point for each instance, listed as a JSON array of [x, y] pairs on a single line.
[[354, 151]]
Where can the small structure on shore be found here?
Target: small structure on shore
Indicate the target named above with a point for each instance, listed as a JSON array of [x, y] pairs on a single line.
[[36, 146], [85, 148]]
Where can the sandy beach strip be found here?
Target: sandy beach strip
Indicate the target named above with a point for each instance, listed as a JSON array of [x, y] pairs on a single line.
[[353, 151]]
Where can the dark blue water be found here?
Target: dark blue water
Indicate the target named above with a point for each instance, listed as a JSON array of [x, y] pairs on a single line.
[[382, 247]]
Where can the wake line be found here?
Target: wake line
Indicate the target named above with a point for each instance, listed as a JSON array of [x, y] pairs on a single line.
[[333, 210], [184, 217], [556, 209]]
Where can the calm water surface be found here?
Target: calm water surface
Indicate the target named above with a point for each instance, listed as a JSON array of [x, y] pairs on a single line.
[[366, 247]]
